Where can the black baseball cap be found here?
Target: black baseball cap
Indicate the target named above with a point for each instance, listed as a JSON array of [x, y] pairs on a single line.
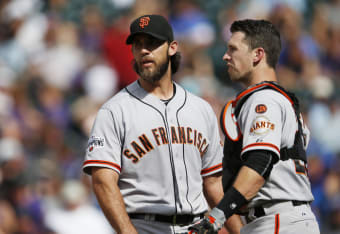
[[153, 25]]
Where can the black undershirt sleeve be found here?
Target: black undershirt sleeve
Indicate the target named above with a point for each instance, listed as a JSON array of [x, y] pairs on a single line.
[[262, 161]]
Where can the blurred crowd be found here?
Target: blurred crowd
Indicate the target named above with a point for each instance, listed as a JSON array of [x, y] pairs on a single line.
[[60, 60]]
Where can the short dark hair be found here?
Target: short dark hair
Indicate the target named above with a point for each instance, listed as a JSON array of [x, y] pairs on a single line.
[[260, 33]]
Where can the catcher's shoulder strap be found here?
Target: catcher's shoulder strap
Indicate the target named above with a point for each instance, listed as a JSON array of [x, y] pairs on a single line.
[[243, 96], [295, 152]]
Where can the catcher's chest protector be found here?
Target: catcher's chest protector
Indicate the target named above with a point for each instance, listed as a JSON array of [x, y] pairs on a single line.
[[232, 161]]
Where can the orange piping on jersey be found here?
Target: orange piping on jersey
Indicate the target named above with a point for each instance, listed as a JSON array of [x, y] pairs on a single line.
[[262, 144], [224, 127], [211, 219], [210, 169], [258, 86], [223, 116], [277, 224], [102, 162]]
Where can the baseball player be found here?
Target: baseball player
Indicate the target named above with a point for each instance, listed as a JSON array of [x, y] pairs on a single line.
[[264, 166], [154, 149]]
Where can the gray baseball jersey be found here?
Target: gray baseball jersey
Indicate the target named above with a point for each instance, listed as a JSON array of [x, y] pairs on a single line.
[[267, 121], [161, 152]]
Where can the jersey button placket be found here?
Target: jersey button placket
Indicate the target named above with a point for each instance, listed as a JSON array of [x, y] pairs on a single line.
[[172, 160]]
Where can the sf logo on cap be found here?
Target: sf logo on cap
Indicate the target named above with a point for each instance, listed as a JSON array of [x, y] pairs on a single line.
[[144, 21]]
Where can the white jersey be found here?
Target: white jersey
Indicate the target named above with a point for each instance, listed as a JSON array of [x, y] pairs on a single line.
[[160, 151], [267, 121]]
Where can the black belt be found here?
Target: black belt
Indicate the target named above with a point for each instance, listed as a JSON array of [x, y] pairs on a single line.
[[259, 210], [172, 219]]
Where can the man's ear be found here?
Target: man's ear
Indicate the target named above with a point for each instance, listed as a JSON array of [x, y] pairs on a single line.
[[173, 46], [258, 55]]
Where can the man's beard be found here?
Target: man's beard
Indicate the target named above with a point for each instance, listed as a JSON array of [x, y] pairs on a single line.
[[155, 75]]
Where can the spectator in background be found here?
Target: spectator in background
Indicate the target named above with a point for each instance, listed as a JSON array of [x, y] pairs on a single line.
[[92, 28], [197, 75], [332, 195], [326, 30], [117, 53], [190, 23], [76, 214], [63, 58], [324, 113], [15, 188], [8, 221], [298, 46], [263, 8]]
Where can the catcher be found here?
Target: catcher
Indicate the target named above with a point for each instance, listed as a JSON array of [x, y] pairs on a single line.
[[264, 166]]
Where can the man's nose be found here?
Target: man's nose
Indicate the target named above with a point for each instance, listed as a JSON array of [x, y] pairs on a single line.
[[144, 50], [226, 57]]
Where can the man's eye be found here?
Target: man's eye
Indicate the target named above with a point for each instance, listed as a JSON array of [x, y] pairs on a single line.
[[137, 44], [231, 49], [155, 43]]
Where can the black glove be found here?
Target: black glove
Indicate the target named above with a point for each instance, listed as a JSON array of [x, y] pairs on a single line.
[[209, 225]]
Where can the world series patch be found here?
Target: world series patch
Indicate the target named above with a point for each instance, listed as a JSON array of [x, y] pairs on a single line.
[[95, 142]]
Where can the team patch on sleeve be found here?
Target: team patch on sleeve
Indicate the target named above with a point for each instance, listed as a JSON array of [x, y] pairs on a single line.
[[261, 125], [95, 142], [261, 108]]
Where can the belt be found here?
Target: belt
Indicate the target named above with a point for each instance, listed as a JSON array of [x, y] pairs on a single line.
[[181, 219], [259, 210]]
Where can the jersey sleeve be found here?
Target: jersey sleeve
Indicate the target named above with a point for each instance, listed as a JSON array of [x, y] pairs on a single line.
[[260, 121], [212, 157], [104, 145]]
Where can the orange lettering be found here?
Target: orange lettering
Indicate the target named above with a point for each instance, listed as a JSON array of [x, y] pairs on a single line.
[[144, 21], [174, 135], [146, 143], [181, 135], [199, 140], [189, 130], [163, 135], [138, 149], [127, 154], [154, 131]]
